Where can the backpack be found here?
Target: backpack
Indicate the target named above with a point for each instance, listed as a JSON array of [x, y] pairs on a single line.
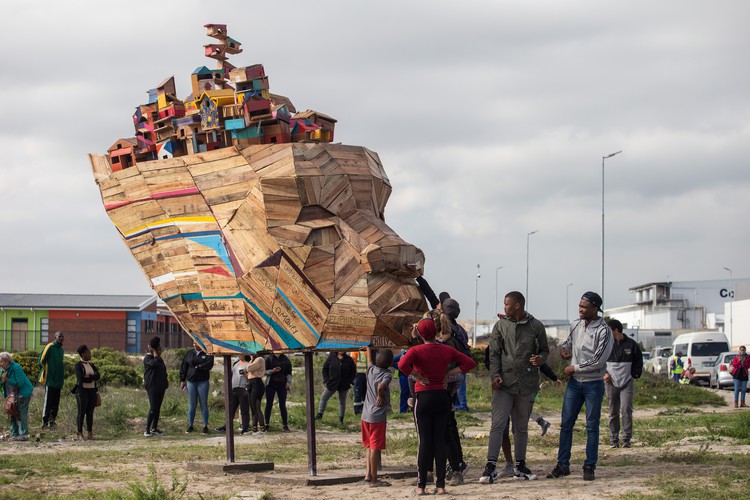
[[463, 338]]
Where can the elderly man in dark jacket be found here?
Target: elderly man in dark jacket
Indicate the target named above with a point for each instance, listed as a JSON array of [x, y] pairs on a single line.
[[518, 346], [338, 375]]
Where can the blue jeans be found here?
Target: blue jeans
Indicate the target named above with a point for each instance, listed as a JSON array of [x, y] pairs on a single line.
[[403, 382], [461, 403], [576, 394], [197, 393], [740, 388]]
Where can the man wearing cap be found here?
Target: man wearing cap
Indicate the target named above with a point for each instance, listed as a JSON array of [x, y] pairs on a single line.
[[52, 375], [452, 309], [589, 344]]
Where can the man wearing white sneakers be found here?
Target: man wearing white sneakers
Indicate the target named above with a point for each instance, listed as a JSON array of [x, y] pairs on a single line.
[[518, 346]]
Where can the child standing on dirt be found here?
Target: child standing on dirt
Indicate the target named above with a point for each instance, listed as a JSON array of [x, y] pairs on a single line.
[[374, 411]]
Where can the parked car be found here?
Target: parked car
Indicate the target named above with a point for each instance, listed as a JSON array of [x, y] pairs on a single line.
[[646, 356], [657, 361], [721, 375], [699, 350]]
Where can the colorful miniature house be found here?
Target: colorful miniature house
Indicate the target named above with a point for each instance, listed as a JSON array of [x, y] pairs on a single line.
[[257, 232]]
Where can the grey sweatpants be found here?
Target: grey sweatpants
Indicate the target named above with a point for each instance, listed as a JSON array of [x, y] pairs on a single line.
[[620, 404], [327, 393], [518, 407]]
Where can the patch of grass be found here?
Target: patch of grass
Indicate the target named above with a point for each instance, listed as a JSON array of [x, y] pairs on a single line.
[[729, 484], [152, 489], [657, 390]]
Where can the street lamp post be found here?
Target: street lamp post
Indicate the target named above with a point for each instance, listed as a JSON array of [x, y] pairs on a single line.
[[527, 267], [476, 306], [731, 302], [497, 299], [604, 158], [567, 303]]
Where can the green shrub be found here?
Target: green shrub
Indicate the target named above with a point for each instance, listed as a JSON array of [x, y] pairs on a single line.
[[173, 358], [29, 361], [107, 356], [119, 375]]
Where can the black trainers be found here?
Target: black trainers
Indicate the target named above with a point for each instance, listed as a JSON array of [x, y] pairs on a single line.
[[286, 429], [545, 426], [558, 472], [157, 432], [244, 430], [614, 444], [522, 472], [626, 444], [489, 475], [45, 425], [223, 428], [588, 473], [205, 429], [319, 416], [189, 429]]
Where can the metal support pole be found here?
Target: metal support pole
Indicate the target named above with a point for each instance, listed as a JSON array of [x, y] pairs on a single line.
[[228, 415], [312, 456]]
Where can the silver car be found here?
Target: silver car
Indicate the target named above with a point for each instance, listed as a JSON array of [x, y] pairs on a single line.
[[721, 371], [657, 362]]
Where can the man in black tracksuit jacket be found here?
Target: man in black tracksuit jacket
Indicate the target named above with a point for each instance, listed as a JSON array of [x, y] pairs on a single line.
[[625, 364]]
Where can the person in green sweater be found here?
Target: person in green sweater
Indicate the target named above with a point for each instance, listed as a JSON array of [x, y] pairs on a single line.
[[52, 375], [14, 381]]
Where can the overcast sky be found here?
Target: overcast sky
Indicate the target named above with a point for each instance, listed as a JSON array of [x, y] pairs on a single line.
[[490, 117]]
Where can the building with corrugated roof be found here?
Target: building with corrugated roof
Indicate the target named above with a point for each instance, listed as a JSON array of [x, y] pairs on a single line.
[[121, 322]]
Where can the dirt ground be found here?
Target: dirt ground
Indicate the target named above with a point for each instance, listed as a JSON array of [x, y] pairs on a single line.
[[285, 481]]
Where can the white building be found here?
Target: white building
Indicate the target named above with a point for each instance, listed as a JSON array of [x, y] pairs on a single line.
[[678, 306]]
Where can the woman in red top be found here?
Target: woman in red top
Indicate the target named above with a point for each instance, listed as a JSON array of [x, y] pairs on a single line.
[[429, 364]]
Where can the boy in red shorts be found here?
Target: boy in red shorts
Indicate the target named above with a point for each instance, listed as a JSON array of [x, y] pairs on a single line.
[[377, 402]]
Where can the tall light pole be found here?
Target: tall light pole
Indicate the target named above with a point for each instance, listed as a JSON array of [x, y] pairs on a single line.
[[497, 299], [731, 302], [476, 305], [604, 158], [527, 266], [567, 303]]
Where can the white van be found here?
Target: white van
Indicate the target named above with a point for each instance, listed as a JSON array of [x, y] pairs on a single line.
[[699, 350]]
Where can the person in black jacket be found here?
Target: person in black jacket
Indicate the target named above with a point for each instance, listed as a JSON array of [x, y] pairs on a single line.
[[195, 373], [338, 375], [155, 382], [278, 381], [85, 391], [625, 364]]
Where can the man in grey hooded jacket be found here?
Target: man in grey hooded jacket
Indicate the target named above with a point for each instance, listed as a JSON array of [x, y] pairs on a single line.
[[518, 346]]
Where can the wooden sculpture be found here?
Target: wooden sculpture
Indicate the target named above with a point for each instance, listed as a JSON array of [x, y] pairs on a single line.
[[256, 231]]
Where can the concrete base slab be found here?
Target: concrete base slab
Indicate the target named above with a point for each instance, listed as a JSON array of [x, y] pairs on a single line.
[[328, 478], [230, 467]]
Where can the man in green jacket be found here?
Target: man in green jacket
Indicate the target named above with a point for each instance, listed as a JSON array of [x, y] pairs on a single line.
[[518, 346], [52, 375]]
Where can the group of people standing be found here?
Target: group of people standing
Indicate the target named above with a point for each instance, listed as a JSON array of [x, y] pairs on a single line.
[[17, 389], [248, 388]]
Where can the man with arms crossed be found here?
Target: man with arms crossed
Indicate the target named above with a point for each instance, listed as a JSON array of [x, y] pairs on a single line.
[[518, 346], [589, 344]]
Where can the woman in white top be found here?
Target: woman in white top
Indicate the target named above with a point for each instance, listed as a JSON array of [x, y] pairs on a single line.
[[85, 391], [255, 372]]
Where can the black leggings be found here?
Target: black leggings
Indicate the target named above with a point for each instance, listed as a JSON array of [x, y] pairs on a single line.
[[86, 399], [279, 389], [431, 418], [453, 443], [155, 399], [256, 388]]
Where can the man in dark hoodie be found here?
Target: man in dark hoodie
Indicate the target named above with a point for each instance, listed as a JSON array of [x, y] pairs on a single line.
[[452, 309]]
